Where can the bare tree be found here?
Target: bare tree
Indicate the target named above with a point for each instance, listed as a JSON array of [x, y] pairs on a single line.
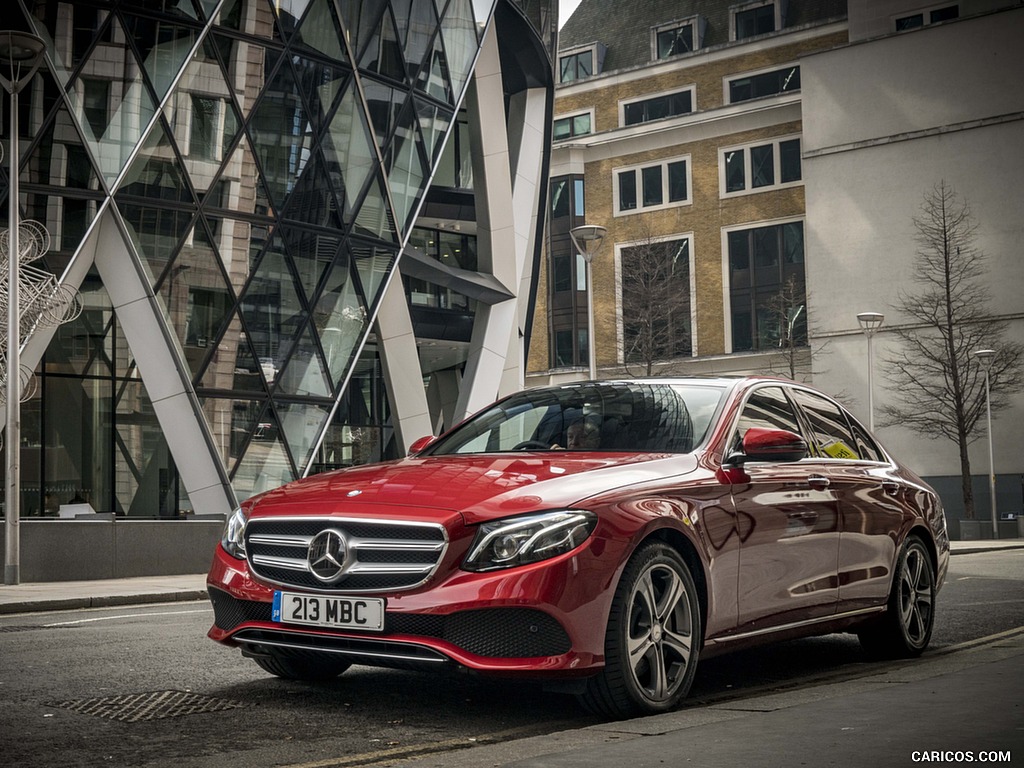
[[655, 302], [787, 311], [937, 383]]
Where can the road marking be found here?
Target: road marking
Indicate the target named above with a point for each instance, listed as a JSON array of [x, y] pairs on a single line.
[[122, 616]]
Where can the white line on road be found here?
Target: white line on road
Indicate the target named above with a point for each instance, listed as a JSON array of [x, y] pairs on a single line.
[[123, 616]]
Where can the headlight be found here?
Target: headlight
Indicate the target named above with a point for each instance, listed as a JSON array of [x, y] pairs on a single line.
[[232, 540], [527, 539]]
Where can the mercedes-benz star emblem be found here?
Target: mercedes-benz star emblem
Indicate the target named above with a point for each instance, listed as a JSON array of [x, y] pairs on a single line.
[[327, 554]]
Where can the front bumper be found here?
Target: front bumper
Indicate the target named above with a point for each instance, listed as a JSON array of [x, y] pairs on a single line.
[[545, 620]]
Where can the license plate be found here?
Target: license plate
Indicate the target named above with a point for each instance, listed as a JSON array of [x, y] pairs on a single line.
[[322, 611]]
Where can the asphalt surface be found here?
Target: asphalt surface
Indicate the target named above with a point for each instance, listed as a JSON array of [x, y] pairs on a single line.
[[957, 706]]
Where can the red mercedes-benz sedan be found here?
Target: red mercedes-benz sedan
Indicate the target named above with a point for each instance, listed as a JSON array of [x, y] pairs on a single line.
[[599, 536]]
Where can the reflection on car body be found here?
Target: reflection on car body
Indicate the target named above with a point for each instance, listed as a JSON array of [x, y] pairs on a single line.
[[701, 516]]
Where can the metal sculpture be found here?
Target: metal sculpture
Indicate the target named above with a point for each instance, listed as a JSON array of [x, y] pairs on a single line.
[[43, 301]]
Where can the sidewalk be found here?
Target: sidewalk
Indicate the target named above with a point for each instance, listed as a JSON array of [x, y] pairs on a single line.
[[68, 595], [955, 707]]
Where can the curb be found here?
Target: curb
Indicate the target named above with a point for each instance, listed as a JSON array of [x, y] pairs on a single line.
[[105, 601]]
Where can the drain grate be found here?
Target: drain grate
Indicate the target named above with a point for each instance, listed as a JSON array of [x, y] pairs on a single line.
[[156, 705]]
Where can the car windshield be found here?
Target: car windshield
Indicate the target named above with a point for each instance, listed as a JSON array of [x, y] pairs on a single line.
[[613, 416]]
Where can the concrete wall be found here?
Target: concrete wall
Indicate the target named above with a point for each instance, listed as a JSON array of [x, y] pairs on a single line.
[[874, 18], [72, 550], [884, 122]]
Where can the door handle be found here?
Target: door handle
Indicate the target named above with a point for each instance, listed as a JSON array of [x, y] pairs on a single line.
[[891, 488], [818, 483]]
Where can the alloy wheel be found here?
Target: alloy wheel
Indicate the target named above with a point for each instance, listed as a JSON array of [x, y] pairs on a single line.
[[660, 632]]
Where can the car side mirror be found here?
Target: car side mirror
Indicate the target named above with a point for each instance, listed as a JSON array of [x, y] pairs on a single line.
[[776, 445], [420, 444]]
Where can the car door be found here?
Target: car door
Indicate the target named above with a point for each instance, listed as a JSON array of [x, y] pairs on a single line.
[[788, 522], [874, 499]]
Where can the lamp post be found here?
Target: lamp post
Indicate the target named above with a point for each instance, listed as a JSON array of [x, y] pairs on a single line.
[[870, 322], [985, 358], [587, 239], [22, 53]]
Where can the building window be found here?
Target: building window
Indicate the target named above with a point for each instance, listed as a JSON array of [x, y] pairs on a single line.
[[759, 167], [455, 167], [567, 275], [453, 249], [764, 84], [576, 66], [766, 286], [656, 322], [932, 16], [650, 187], [674, 40], [573, 125], [207, 126], [657, 107], [567, 197], [95, 104], [752, 20]]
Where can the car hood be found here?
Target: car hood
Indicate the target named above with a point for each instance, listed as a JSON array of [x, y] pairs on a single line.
[[481, 486]]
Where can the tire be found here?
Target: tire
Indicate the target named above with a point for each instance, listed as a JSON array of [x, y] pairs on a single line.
[[906, 628], [652, 639], [301, 669]]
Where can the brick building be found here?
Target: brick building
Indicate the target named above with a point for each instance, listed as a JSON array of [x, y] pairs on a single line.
[[678, 128]]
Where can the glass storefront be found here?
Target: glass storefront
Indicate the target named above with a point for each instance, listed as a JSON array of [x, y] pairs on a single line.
[[262, 163]]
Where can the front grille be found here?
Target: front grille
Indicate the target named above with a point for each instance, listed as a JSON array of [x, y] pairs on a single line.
[[488, 632], [380, 555]]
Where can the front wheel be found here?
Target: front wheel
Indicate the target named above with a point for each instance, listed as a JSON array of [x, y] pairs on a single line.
[[906, 628], [652, 640]]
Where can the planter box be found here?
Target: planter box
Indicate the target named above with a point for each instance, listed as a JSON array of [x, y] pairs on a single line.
[[72, 550], [975, 530]]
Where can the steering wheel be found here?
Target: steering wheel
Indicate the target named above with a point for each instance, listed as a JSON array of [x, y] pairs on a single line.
[[527, 445]]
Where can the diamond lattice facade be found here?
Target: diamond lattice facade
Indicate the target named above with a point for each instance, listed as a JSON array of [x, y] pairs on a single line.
[[304, 232]]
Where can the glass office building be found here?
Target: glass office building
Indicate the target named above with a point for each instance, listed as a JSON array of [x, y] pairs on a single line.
[[304, 233]]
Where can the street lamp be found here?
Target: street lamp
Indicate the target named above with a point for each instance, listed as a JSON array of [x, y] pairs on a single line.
[[870, 322], [587, 239], [22, 53], [985, 358]]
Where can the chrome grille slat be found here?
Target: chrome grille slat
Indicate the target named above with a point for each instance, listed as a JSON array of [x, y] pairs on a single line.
[[395, 569], [405, 546], [382, 555], [282, 541], [290, 563]]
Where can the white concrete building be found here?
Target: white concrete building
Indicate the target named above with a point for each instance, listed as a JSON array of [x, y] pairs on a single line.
[[886, 118]]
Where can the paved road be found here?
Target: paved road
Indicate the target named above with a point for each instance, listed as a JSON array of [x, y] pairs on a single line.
[[60, 672]]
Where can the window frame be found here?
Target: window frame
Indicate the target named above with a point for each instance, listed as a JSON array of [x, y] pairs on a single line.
[[696, 23], [927, 17], [571, 117], [620, 278], [748, 188], [736, 10], [734, 77], [623, 103], [595, 62], [752, 288], [637, 172]]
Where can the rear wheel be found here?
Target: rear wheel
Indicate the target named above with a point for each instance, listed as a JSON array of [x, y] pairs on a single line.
[[652, 639], [301, 669], [906, 628]]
